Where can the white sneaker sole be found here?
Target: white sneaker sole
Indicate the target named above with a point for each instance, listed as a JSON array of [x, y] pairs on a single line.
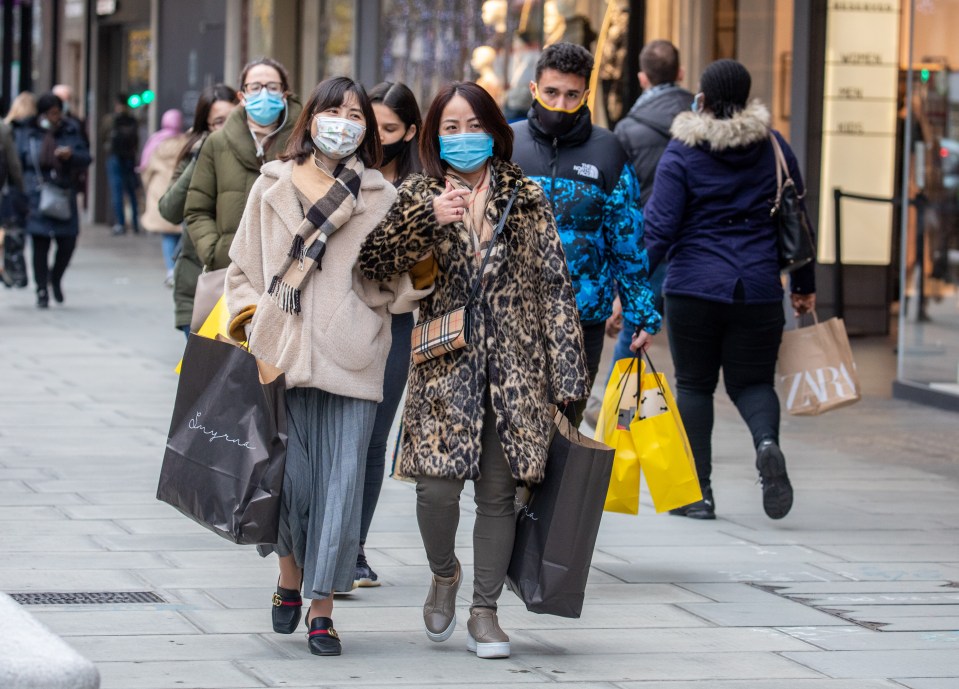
[[365, 583], [494, 649], [443, 635]]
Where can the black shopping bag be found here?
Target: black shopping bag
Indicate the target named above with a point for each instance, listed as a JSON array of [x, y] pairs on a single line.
[[556, 528], [224, 459]]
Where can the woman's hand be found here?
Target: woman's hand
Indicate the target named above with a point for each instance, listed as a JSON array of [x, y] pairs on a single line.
[[803, 303], [450, 206], [63, 152], [641, 341]]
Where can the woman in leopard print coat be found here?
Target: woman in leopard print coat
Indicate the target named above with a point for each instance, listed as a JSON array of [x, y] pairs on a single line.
[[479, 413]]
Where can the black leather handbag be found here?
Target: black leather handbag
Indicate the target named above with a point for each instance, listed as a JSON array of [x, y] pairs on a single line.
[[796, 246]]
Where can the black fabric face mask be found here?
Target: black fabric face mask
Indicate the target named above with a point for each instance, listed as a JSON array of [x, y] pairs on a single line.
[[390, 151], [555, 122]]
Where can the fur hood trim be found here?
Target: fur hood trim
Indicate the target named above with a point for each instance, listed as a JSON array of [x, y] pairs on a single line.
[[748, 126]]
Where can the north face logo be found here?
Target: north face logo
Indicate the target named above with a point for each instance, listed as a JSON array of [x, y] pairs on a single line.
[[587, 170]]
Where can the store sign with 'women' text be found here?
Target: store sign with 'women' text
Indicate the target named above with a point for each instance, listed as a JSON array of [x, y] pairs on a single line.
[[859, 127]]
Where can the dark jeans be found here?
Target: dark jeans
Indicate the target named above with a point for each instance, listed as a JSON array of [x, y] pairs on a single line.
[[397, 371], [594, 336], [42, 273], [122, 176], [742, 340]]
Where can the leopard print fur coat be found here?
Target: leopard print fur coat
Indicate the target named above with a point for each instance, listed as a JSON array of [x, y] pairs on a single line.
[[527, 344]]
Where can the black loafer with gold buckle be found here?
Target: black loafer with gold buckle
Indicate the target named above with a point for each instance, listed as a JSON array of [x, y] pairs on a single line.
[[287, 608], [323, 639]]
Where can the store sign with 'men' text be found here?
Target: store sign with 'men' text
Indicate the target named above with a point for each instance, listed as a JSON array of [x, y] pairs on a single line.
[[859, 127]]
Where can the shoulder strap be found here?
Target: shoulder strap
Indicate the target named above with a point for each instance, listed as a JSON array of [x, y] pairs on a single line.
[[655, 126], [499, 228], [782, 170]]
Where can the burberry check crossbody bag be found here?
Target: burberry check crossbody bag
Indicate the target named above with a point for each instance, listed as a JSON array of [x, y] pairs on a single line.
[[451, 330]]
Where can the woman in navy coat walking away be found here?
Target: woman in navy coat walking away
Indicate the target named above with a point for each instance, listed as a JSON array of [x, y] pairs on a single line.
[[710, 216], [52, 151]]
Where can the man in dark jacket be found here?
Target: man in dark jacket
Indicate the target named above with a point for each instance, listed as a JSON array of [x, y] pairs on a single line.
[[121, 140], [644, 134], [594, 195]]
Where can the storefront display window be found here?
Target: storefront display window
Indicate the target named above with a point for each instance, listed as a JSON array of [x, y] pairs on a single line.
[[493, 42], [929, 311]]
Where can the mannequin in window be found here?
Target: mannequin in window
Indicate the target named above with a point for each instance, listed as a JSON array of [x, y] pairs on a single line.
[[575, 28], [483, 63], [493, 14]]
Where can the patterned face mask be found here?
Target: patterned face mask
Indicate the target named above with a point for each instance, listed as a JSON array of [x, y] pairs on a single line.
[[337, 137]]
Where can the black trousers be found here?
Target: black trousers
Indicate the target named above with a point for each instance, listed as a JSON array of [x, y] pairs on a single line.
[[594, 336], [43, 275], [742, 340]]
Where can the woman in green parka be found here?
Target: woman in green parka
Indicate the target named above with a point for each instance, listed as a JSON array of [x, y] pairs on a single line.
[[230, 160], [213, 107]]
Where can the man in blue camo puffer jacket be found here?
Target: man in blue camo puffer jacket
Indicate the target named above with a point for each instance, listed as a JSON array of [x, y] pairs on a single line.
[[593, 189]]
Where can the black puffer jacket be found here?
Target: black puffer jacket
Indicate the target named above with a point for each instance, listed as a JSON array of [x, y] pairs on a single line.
[[644, 133]]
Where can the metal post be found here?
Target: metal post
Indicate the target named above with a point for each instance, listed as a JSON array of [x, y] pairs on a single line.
[[6, 71], [920, 204], [838, 292]]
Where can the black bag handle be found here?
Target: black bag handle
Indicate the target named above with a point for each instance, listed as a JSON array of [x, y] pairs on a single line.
[[499, 228]]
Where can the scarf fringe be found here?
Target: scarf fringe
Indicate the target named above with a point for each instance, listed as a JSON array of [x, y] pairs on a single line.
[[286, 297]]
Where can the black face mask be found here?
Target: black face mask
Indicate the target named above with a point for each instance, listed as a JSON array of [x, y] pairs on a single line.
[[555, 122], [390, 151]]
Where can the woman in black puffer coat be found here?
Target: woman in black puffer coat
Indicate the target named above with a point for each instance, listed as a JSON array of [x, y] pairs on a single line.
[[52, 151]]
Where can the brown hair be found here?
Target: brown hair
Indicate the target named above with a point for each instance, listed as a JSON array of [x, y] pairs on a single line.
[[332, 92], [487, 112], [269, 62]]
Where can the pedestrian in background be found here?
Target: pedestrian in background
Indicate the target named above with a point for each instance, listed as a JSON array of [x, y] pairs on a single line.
[[213, 107], [23, 107], [327, 328], [229, 162], [399, 123], [52, 151], [710, 215], [644, 134], [479, 413], [157, 164], [120, 137], [594, 195]]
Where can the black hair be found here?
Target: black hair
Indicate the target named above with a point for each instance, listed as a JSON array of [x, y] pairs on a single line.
[[398, 98], [567, 58], [725, 85], [659, 61], [200, 128], [332, 92], [48, 101]]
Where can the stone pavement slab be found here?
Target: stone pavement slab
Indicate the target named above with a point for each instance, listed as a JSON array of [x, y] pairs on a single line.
[[739, 603]]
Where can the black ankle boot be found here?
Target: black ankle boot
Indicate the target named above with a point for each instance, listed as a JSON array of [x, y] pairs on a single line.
[[323, 639], [287, 608], [57, 291], [43, 299]]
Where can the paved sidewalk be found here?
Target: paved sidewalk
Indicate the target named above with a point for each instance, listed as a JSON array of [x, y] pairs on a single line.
[[855, 589]]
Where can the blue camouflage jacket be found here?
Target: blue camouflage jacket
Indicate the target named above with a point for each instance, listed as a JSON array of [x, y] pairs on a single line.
[[595, 197]]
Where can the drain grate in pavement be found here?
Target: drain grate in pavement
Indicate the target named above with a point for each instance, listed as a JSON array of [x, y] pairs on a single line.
[[86, 598], [907, 606]]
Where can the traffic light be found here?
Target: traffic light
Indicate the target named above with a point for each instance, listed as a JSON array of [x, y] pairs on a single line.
[[924, 75], [138, 99]]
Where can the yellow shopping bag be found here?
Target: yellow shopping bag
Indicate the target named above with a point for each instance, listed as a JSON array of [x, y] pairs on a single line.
[[612, 428], [217, 323], [662, 446]]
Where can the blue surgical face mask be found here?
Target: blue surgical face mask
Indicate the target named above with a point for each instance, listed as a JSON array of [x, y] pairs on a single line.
[[466, 152], [697, 103], [264, 108]]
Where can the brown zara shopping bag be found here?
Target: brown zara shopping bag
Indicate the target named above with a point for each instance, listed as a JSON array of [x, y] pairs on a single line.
[[816, 371]]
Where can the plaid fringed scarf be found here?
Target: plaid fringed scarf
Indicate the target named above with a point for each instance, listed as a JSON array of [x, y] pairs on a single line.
[[324, 218]]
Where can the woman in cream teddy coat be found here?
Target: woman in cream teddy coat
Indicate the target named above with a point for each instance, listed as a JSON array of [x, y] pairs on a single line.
[[328, 328]]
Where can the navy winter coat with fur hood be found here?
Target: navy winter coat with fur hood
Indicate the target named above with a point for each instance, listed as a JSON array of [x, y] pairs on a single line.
[[710, 210]]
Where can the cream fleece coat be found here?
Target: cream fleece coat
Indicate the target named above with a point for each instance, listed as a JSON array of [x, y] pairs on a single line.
[[340, 339]]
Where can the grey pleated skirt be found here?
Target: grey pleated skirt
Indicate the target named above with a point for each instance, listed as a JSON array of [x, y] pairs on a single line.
[[323, 487]]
